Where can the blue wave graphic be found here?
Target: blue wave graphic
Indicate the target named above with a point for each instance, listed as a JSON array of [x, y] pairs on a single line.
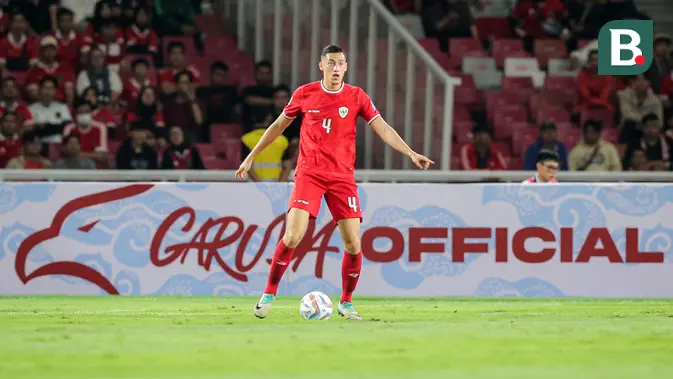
[[527, 287], [12, 195]]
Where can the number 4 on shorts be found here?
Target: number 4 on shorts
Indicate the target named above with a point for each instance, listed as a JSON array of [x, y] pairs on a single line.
[[353, 203]]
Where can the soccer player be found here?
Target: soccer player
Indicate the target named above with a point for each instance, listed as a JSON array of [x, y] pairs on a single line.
[[325, 167], [548, 164]]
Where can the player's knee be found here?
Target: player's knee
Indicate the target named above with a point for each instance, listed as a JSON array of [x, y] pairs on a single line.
[[292, 238], [352, 245]]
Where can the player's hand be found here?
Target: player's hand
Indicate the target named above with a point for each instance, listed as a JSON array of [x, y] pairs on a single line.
[[421, 161], [243, 169]]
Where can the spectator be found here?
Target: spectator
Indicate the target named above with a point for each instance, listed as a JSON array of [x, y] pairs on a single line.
[[140, 38], [635, 103], [137, 82], [593, 153], [10, 102], [539, 19], [259, 94], [639, 161], [135, 153], [17, 49], [102, 14], [594, 90], [40, 14], [449, 19], [268, 165], [181, 155], [49, 66], [108, 84], [92, 134], [580, 57], [219, 98], [71, 43], [10, 138], [654, 144], [30, 158], [481, 154], [100, 113], [111, 42], [281, 97], [147, 111], [587, 17], [176, 64], [661, 63], [49, 114], [72, 155], [177, 17], [547, 141], [182, 108]]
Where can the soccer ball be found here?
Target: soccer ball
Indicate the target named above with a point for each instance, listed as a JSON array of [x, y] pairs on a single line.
[[315, 306]]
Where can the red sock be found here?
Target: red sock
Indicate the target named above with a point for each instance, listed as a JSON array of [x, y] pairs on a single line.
[[350, 273], [281, 259]]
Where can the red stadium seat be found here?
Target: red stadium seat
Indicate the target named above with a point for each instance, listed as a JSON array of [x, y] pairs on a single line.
[[554, 115], [518, 84], [460, 47], [206, 150], [583, 42], [224, 131], [559, 83], [570, 138], [495, 100], [605, 116], [546, 49], [522, 138], [610, 134], [463, 131], [504, 148], [508, 115], [461, 113], [506, 130], [503, 48], [546, 99], [468, 96], [493, 27]]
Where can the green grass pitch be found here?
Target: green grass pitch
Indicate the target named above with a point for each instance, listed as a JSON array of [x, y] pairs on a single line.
[[218, 337]]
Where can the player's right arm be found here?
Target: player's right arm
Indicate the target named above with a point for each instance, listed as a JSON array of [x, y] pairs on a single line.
[[290, 112]]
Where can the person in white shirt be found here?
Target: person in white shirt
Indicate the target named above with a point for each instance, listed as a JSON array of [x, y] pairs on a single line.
[[50, 115], [107, 82]]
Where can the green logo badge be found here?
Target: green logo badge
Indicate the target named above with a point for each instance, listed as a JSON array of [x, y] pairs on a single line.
[[625, 47]]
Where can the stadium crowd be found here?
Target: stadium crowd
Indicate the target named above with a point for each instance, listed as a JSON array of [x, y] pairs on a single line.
[[142, 84]]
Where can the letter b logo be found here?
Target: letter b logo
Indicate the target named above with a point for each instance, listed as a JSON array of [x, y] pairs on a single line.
[[625, 47]]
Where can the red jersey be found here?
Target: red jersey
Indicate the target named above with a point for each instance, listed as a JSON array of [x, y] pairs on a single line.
[[18, 55], [131, 117], [103, 116], [471, 160], [328, 128], [666, 86], [132, 91], [93, 139], [21, 110], [69, 47], [63, 73], [137, 37], [9, 148], [114, 51], [167, 75]]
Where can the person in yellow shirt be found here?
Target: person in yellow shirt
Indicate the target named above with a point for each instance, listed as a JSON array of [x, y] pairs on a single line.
[[272, 164], [593, 153]]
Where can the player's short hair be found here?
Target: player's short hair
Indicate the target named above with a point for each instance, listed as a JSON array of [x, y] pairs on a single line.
[[176, 45], [547, 155], [63, 11], [49, 79], [138, 61], [263, 64], [330, 49], [281, 88], [219, 65], [478, 129], [547, 125], [649, 117], [70, 136], [597, 125]]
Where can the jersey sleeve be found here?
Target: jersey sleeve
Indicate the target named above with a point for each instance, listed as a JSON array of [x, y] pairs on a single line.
[[366, 107], [293, 108]]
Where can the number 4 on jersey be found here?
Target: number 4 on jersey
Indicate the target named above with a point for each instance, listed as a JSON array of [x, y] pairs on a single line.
[[353, 203], [327, 124]]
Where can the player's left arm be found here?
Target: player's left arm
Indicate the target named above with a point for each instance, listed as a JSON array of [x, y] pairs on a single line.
[[392, 138]]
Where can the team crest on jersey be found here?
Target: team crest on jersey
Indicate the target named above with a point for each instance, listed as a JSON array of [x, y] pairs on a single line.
[[343, 112]]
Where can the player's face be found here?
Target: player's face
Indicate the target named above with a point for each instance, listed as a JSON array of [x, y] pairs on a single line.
[[177, 136], [547, 170], [49, 53], [592, 62], [140, 70], [548, 135], [65, 23], [48, 91], [33, 148], [177, 57], [218, 77], [334, 67], [591, 136]]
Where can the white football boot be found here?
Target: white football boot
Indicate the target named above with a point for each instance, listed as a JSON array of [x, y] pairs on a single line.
[[263, 306], [347, 310]]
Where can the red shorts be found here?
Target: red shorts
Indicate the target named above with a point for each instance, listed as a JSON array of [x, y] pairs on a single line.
[[341, 195]]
